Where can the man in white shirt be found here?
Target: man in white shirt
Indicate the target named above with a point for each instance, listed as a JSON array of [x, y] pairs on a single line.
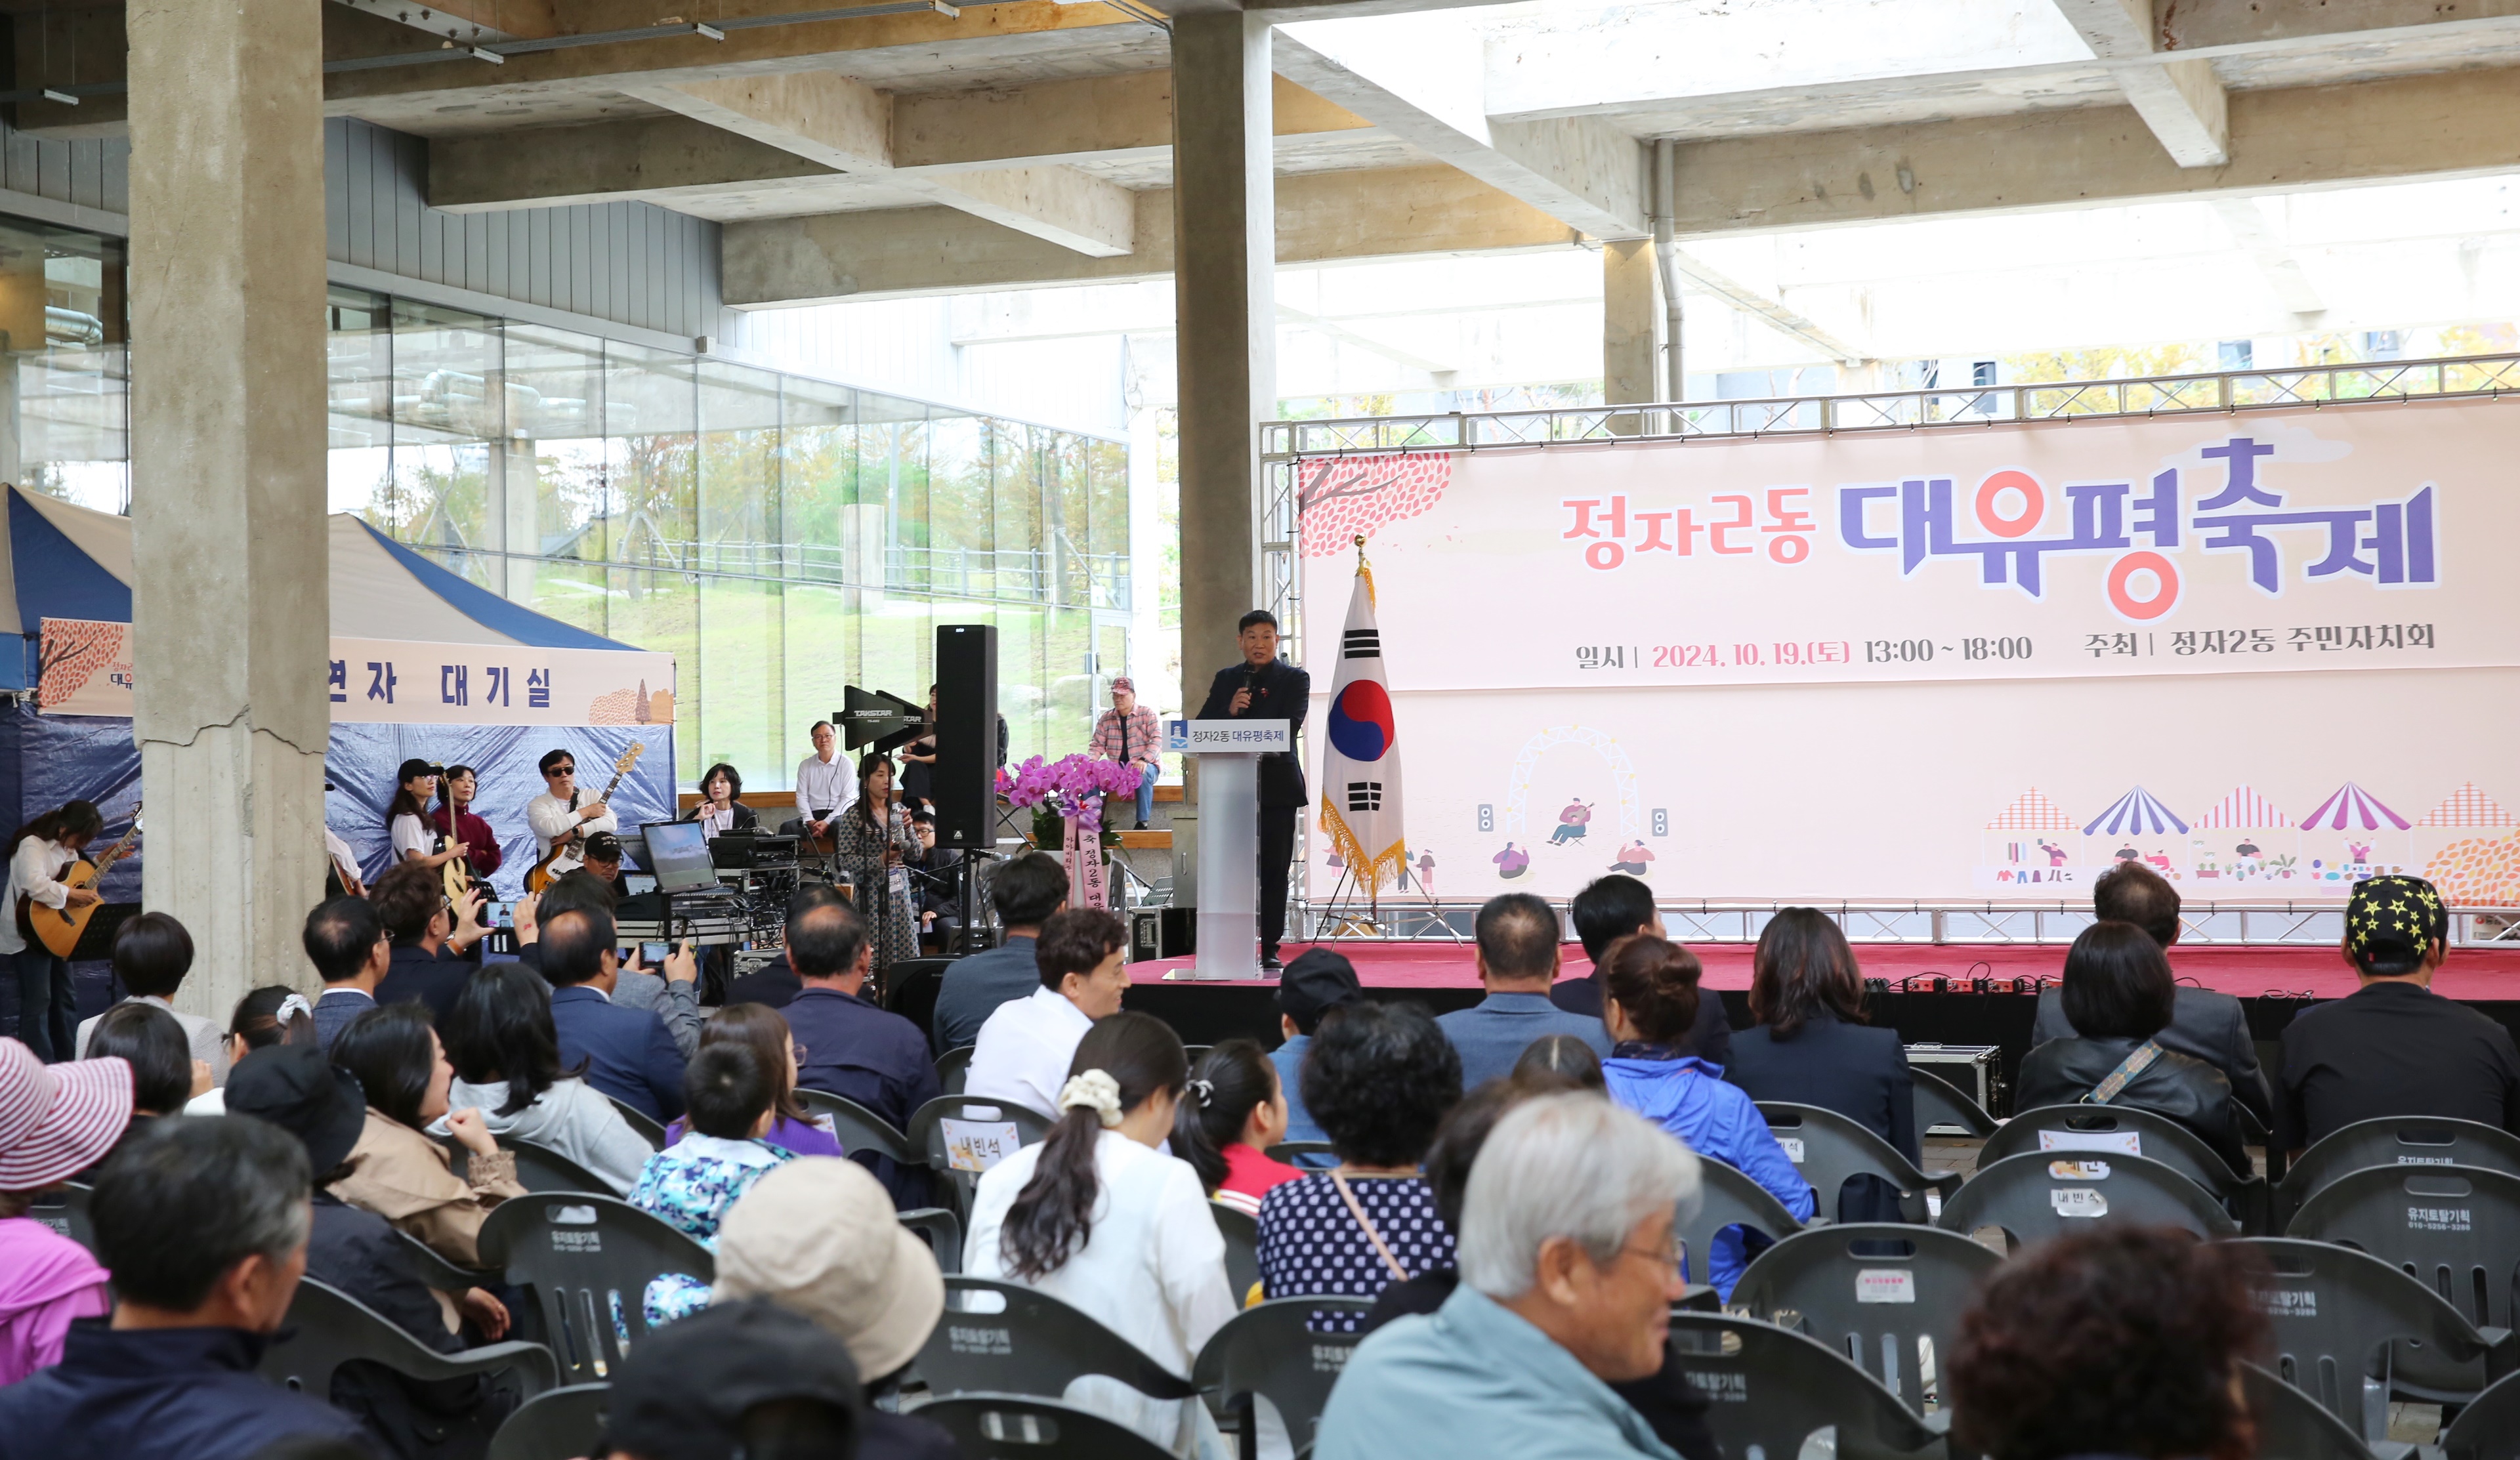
[[824, 784], [1025, 1047], [556, 813], [151, 954]]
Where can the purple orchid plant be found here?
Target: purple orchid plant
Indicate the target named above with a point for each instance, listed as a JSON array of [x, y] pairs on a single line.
[[1075, 785]]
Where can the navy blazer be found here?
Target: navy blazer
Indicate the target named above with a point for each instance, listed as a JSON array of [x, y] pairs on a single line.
[[1278, 692], [333, 1015], [1857, 1070], [629, 1054], [435, 979], [1710, 1039], [857, 1051], [2203, 1025]]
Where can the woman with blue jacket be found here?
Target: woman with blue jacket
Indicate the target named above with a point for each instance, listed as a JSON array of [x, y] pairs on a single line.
[[1649, 1001]]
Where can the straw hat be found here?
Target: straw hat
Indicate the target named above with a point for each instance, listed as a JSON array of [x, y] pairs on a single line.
[[820, 1236], [57, 1121]]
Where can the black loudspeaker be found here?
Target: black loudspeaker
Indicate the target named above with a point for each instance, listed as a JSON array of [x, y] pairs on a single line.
[[966, 783], [1162, 933]]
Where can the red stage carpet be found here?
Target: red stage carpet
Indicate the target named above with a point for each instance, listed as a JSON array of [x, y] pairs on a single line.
[[2477, 975]]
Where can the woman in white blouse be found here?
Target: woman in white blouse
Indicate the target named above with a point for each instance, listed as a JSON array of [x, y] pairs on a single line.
[[407, 818], [40, 853], [1096, 1217]]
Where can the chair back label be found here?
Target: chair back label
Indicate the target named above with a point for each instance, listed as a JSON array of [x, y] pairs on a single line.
[[577, 1242], [997, 1343], [1885, 1285], [2078, 1171], [977, 1145], [2440, 1219], [2290, 1303], [1793, 1145], [1719, 1386], [2118, 1142], [2078, 1201], [2427, 1161], [1331, 1358]]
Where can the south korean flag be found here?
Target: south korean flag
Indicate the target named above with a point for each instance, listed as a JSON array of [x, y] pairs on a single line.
[[1361, 802]]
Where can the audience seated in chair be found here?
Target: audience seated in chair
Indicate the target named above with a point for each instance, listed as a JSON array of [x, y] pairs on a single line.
[[748, 1378], [395, 1171], [56, 1121], [151, 954], [1081, 973], [1670, 1403], [850, 1046], [2394, 1047], [205, 1227], [1650, 998], [1233, 1114], [775, 982], [357, 1252], [1810, 1046], [1098, 1217], [691, 1183], [765, 1031], [431, 942], [164, 1075], [350, 948], [1607, 910], [1316, 983], [1379, 1079], [629, 1054], [507, 1066], [1560, 1062], [817, 1237], [2203, 1023], [1568, 1273], [2127, 1341], [2118, 995], [671, 994], [1517, 958], [1025, 890], [265, 1019]]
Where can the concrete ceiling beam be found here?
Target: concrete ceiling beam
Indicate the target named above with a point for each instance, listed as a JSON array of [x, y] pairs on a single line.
[[2179, 98]]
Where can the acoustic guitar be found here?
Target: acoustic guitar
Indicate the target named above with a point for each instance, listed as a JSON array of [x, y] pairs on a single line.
[[541, 874], [59, 929], [458, 874]]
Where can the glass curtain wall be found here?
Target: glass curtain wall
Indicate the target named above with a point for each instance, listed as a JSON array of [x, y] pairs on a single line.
[[64, 366], [780, 536]]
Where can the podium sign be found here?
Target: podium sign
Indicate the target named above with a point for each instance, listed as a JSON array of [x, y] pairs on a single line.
[[1229, 837]]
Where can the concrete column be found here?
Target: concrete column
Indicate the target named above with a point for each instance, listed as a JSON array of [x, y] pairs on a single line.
[[1225, 312], [1631, 329], [231, 590], [520, 470]]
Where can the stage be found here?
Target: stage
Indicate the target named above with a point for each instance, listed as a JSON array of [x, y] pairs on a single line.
[[2272, 983]]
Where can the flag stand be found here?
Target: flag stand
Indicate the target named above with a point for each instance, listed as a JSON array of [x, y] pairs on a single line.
[[1349, 924]]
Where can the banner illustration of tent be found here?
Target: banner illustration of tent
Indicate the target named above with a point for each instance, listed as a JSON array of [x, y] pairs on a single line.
[[2137, 813], [2352, 805], [2244, 807], [2032, 811], [2468, 807], [1361, 801]]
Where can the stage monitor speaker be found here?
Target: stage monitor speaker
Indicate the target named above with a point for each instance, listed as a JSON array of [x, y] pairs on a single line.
[[965, 782], [1162, 933]]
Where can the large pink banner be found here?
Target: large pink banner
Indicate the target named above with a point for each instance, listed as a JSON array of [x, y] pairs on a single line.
[[2268, 653]]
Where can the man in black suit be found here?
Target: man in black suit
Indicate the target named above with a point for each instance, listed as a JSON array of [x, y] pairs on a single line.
[[2203, 1023], [1263, 686]]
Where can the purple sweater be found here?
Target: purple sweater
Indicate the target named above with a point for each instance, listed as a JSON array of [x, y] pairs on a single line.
[[804, 1140]]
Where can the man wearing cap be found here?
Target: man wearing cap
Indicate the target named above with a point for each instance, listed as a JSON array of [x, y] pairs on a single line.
[[2394, 1047], [55, 1121], [358, 1253], [817, 1237], [745, 1379], [204, 1225], [1316, 983], [603, 863], [1127, 733]]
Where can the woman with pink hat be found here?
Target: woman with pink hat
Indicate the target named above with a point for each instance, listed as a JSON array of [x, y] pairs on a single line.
[[56, 1121]]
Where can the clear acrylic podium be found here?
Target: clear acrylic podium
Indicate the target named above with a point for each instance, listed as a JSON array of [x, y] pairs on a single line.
[[1229, 755]]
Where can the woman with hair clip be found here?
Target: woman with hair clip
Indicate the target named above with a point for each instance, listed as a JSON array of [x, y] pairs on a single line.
[[1235, 1113], [39, 853], [1096, 1217], [264, 1019], [407, 823], [871, 838]]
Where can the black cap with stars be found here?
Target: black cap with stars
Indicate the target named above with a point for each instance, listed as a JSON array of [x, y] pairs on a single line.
[[2394, 919]]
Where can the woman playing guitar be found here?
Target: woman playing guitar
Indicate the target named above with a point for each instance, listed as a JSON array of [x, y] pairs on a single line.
[[407, 818], [454, 817], [39, 853]]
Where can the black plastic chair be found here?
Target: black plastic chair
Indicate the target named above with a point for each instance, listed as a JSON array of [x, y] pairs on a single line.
[[927, 1138], [328, 1328], [539, 1168], [650, 1129], [911, 986], [1021, 1426], [66, 1211], [2395, 1140], [1005, 1337], [587, 1259], [953, 1068], [944, 1233], [1727, 1198], [1940, 1103], [1241, 1233], [559, 1425], [1828, 1148], [2489, 1427], [2292, 1426], [2157, 1139], [860, 1129], [440, 1273], [2454, 1228], [1772, 1388], [1271, 1353], [1884, 1307], [2031, 1196], [1294, 1152], [2351, 1331]]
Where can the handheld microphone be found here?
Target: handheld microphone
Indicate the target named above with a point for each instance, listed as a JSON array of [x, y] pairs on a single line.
[[1251, 684]]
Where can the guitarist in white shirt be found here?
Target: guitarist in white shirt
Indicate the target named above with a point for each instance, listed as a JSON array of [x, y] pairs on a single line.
[[38, 855], [557, 815]]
